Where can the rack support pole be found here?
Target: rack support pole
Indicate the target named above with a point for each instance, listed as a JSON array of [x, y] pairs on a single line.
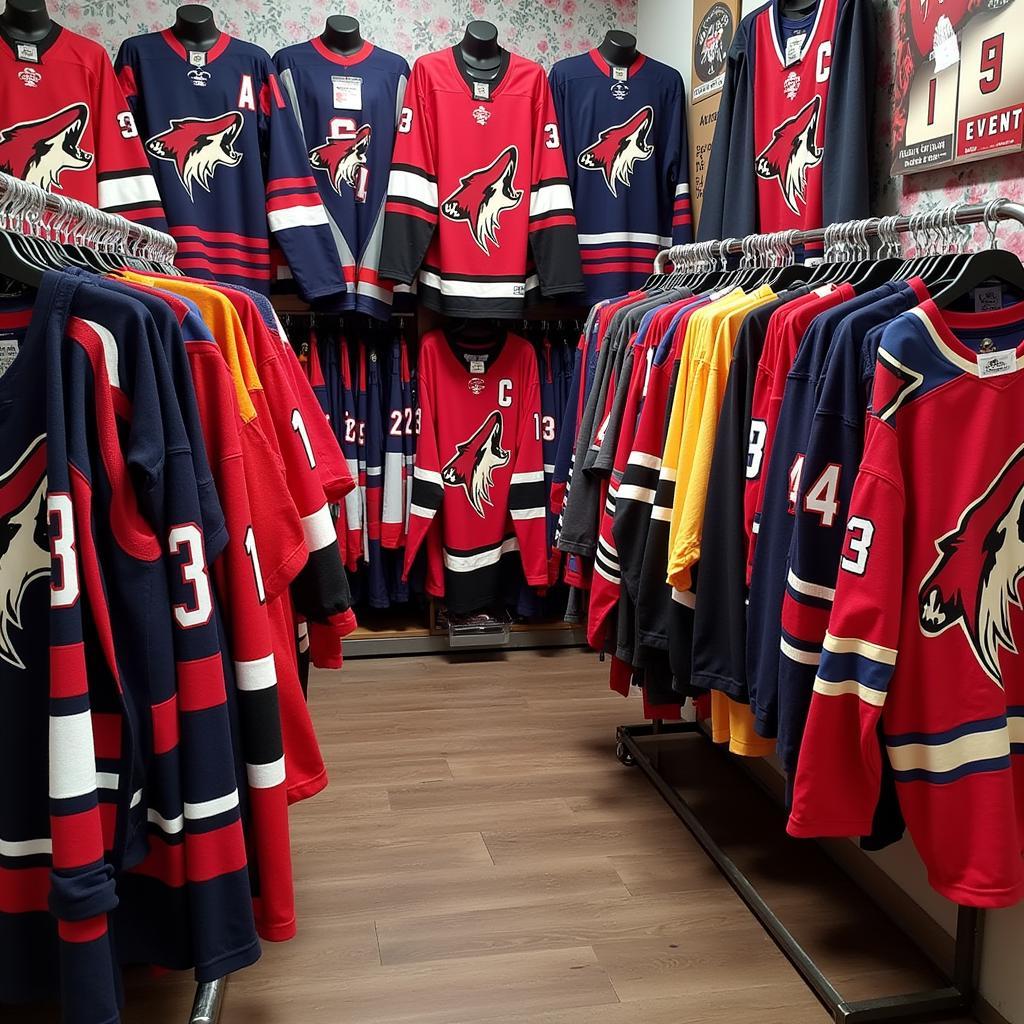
[[952, 1000], [208, 1002]]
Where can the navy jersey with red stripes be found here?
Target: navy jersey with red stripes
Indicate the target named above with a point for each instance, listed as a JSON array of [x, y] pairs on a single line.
[[624, 132], [229, 162]]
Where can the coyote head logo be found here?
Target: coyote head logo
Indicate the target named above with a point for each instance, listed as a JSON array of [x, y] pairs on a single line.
[[342, 158], [473, 465], [197, 146], [40, 151], [484, 195], [973, 581], [618, 150], [792, 152]]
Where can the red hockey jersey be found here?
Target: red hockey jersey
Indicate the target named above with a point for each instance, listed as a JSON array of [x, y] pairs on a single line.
[[66, 126], [478, 200], [926, 624], [478, 494]]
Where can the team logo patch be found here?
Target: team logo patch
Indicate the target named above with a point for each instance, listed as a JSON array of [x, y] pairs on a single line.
[[618, 150], [343, 159], [30, 77], [791, 85], [197, 146], [484, 195], [475, 461], [477, 385], [199, 78], [973, 581], [40, 151], [24, 545], [792, 152], [481, 115], [620, 90]]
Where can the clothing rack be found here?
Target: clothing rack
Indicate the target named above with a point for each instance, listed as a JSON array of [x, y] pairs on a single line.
[[26, 209], [958, 995]]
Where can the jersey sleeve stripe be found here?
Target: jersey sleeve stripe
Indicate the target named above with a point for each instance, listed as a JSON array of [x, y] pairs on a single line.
[[126, 189], [318, 529], [407, 184], [297, 217], [851, 645], [849, 686], [810, 589], [546, 198]]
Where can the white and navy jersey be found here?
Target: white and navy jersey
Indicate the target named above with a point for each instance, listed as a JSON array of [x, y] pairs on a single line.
[[478, 487], [624, 133], [229, 162], [479, 210], [347, 109]]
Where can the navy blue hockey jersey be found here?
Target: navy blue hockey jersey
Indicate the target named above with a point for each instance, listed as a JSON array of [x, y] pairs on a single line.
[[624, 132], [229, 162], [347, 109]]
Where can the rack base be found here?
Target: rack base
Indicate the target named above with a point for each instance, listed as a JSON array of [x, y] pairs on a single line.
[[954, 1000], [208, 1002]]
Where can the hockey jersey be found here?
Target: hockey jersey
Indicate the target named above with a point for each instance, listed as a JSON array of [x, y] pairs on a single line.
[[229, 162], [789, 150], [922, 648], [347, 109], [65, 126], [478, 498], [478, 201], [624, 132]]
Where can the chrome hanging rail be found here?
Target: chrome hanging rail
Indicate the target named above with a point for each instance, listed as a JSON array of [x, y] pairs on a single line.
[[875, 227]]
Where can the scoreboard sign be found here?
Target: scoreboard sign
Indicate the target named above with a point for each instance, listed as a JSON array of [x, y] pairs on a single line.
[[959, 82]]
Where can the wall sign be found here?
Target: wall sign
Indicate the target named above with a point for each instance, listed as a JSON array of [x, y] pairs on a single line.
[[959, 82]]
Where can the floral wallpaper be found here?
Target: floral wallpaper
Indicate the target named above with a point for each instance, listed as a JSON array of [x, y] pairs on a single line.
[[918, 193], [544, 30]]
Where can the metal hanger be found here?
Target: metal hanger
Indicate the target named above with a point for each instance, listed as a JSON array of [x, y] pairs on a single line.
[[989, 265]]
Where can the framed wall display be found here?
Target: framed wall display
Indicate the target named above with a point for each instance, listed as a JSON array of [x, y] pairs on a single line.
[[714, 25], [959, 91]]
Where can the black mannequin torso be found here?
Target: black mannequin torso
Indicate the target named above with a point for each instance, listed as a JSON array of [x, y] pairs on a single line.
[[797, 8], [481, 54], [26, 20], [195, 28], [618, 48], [341, 34]]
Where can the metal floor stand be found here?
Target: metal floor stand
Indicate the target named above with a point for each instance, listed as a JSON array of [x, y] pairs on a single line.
[[955, 999], [208, 1002]]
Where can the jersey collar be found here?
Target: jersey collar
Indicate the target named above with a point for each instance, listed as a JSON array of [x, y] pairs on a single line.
[[495, 83], [42, 45], [211, 55], [941, 324], [774, 15], [606, 69], [327, 53]]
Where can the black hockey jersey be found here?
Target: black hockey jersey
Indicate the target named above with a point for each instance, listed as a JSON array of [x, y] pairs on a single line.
[[792, 142], [624, 132]]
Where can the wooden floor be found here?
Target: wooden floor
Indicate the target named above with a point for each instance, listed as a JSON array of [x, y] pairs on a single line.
[[480, 855]]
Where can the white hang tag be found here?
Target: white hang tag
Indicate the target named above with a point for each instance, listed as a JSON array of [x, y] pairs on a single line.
[[482, 90], [945, 48], [620, 74], [8, 353], [197, 58], [795, 47], [29, 52], [348, 93], [477, 366], [997, 364]]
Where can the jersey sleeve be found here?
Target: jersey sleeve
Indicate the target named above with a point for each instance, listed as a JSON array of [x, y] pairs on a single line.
[[427, 486], [392, 530], [295, 212], [526, 498], [553, 238], [839, 770], [849, 120], [411, 211], [125, 183], [678, 169]]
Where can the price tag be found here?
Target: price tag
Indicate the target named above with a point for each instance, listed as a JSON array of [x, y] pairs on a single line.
[[997, 364], [620, 74], [29, 52], [945, 48], [348, 93], [197, 58], [482, 90], [795, 47]]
